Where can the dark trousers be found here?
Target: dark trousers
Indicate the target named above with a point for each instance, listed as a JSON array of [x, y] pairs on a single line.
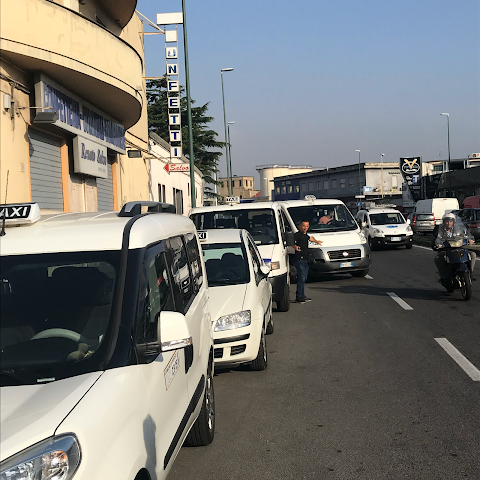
[[302, 272], [442, 266]]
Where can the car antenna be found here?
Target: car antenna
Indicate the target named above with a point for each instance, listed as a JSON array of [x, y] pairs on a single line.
[[2, 232]]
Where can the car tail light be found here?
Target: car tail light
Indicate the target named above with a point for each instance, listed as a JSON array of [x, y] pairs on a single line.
[[473, 225], [433, 215], [414, 220]]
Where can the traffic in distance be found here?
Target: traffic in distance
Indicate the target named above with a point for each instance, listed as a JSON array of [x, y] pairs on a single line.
[[113, 325]]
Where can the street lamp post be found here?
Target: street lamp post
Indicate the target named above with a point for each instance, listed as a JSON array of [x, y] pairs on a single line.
[[229, 173], [359, 185], [381, 161], [229, 147], [448, 137]]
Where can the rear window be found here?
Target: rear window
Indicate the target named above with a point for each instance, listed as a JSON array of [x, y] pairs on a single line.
[[260, 223], [477, 214], [226, 264], [424, 217]]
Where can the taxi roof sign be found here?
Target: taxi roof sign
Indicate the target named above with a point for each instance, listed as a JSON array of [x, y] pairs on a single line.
[[20, 213], [232, 200], [202, 235]]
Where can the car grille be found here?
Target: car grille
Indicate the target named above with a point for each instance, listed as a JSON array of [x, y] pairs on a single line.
[[339, 254], [218, 353], [237, 350]]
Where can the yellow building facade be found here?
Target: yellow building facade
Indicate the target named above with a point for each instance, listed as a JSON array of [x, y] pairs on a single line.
[[73, 103]]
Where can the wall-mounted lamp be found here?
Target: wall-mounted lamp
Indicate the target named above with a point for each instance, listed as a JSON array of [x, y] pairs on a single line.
[[134, 153], [46, 117]]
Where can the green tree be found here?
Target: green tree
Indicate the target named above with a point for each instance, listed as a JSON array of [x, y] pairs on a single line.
[[204, 139]]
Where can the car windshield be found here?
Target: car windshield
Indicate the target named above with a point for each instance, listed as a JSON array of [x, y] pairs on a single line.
[[55, 311], [226, 264], [260, 223], [324, 218], [386, 218]]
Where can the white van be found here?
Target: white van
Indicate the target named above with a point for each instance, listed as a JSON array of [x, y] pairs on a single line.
[[344, 248], [106, 346], [265, 221], [437, 207]]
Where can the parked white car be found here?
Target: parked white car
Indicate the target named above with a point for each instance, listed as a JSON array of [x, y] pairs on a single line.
[[106, 346], [385, 227], [240, 297]]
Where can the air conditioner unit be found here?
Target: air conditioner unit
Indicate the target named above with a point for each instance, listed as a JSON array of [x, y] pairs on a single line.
[[376, 189]]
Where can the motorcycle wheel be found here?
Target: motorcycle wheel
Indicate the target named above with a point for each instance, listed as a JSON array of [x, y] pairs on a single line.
[[466, 285]]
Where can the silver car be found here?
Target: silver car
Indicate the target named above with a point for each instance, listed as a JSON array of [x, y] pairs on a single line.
[[423, 223]]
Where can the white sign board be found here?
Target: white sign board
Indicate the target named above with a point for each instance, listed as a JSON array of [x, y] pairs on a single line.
[[232, 199], [169, 18], [89, 157]]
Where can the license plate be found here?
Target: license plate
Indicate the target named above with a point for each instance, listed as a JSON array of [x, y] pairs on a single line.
[[424, 224], [396, 239], [346, 264]]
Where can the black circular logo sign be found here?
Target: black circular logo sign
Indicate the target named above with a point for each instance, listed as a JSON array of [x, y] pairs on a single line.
[[410, 166]]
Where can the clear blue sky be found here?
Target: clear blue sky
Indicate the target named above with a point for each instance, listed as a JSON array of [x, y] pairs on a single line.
[[316, 80]]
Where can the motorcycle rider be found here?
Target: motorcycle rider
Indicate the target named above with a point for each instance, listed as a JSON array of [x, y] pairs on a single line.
[[450, 227]]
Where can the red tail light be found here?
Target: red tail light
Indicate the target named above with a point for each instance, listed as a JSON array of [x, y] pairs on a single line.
[[433, 215], [414, 220], [474, 225]]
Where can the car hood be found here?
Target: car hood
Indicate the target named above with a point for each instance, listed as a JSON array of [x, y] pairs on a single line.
[[336, 239], [226, 299], [392, 229], [32, 413]]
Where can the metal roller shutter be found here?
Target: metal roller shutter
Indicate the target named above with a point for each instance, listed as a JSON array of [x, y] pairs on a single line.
[[46, 170], [105, 191]]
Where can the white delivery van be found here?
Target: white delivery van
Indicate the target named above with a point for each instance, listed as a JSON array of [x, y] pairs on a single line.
[[266, 223], [437, 207], [344, 248], [105, 343]]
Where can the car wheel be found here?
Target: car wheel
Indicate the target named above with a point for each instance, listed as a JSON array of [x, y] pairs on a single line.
[[409, 245], [203, 430], [260, 363], [270, 326], [359, 273], [284, 304]]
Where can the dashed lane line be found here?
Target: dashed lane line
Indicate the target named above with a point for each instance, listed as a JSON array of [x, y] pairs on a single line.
[[461, 360], [401, 302], [369, 277], [425, 248]]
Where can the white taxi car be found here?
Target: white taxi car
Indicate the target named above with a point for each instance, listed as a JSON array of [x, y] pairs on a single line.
[[106, 349], [385, 227], [240, 297]]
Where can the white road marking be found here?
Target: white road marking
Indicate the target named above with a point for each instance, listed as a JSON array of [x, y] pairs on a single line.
[[369, 277], [462, 361], [401, 302], [425, 248]]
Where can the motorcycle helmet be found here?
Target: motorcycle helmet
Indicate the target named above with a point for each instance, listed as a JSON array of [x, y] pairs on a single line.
[[447, 217]]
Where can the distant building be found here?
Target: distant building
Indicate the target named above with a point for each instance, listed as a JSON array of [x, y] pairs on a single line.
[[269, 172], [243, 187], [344, 183]]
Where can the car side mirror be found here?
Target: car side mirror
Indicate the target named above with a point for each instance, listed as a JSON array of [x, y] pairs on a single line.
[[173, 331], [409, 221], [290, 239], [265, 270]]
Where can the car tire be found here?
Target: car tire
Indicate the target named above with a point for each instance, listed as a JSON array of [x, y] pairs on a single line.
[[261, 362], [203, 430], [409, 245], [359, 273], [284, 304], [270, 326]]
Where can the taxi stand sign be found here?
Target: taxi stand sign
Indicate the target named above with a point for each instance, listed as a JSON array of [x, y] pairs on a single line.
[[20, 213], [202, 235]]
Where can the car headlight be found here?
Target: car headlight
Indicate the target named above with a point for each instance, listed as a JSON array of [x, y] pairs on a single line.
[[56, 458], [363, 238], [234, 320], [409, 228], [378, 233]]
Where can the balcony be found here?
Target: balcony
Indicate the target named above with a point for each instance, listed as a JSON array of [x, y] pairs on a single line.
[[87, 59]]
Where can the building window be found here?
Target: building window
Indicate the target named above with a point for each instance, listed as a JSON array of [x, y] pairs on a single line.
[[304, 187], [394, 182], [342, 183], [351, 182], [334, 184], [221, 184], [310, 186], [290, 189], [284, 189], [297, 189], [239, 183], [161, 193], [278, 190], [325, 185], [319, 185]]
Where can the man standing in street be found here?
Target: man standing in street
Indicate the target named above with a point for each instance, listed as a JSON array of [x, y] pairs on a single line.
[[300, 259]]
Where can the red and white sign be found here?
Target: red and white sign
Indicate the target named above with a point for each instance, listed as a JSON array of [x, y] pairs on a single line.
[[177, 167]]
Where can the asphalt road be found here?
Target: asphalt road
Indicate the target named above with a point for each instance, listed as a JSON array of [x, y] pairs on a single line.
[[357, 387]]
